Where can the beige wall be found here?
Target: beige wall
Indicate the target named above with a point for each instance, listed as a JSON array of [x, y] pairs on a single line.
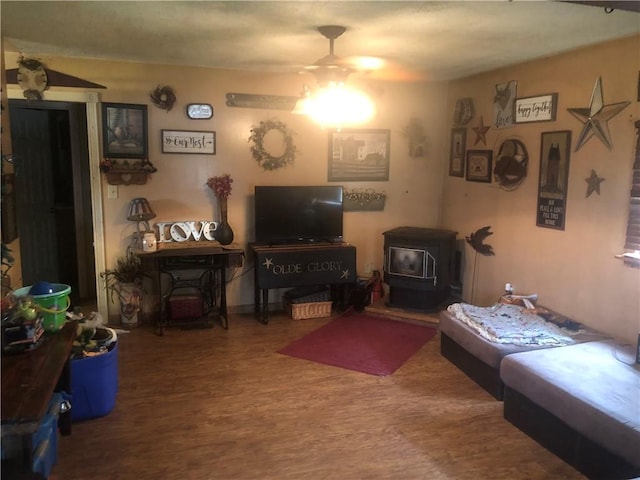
[[573, 271], [178, 192]]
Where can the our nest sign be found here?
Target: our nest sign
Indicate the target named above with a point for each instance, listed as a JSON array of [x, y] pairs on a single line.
[[187, 230]]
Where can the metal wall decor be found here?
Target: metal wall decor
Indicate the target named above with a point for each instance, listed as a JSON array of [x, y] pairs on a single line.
[[414, 132], [464, 111], [511, 164], [477, 238], [457, 148], [593, 182], [503, 104], [481, 132], [269, 102], [555, 152], [32, 78], [596, 116]]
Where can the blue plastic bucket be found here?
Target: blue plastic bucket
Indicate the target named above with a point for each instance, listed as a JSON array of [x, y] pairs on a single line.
[[53, 306]]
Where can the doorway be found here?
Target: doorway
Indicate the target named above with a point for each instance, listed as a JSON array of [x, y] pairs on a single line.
[[53, 194]]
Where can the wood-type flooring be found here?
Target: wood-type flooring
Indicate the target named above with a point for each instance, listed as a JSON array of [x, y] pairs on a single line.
[[222, 404]]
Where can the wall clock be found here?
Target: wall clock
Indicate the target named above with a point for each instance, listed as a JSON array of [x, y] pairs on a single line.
[[199, 111]]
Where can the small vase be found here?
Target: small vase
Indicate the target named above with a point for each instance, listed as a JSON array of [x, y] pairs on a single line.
[[224, 233], [130, 303]]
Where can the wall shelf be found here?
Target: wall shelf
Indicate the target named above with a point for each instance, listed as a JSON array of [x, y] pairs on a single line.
[[127, 177]]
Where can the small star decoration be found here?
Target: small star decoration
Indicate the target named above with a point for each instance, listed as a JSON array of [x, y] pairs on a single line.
[[595, 117], [594, 182], [481, 132]]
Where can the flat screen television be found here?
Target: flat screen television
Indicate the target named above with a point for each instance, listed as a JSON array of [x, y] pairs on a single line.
[[293, 214]]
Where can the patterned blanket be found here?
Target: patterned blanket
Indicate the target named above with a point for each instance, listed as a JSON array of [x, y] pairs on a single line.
[[513, 324]]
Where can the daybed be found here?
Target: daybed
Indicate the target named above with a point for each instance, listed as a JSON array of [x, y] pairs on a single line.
[[582, 402], [572, 389], [476, 339]]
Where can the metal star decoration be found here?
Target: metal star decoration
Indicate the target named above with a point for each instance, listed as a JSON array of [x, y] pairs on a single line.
[[481, 132], [596, 116], [594, 182]]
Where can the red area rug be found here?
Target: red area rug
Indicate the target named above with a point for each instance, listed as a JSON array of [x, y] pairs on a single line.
[[363, 343]]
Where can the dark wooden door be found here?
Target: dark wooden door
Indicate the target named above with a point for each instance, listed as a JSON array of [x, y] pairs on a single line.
[[53, 194], [34, 195]]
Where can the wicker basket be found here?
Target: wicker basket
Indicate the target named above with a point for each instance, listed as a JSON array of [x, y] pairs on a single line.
[[301, 311]]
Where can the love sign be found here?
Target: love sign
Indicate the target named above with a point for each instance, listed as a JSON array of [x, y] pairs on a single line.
[[185, 230]]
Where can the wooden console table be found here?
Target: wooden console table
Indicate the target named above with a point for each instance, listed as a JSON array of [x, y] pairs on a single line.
[[212, 262], [280, 266], [29, 380]]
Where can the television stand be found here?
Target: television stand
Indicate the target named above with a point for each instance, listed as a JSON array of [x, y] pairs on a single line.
[[297, 265]]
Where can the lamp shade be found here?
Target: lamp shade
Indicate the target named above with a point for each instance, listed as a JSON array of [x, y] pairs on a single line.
[[140, 210]]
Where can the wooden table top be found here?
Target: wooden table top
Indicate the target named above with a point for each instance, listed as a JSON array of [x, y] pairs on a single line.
[[29, 378]]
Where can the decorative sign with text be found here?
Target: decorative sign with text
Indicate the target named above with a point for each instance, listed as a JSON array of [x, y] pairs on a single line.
[[555, 152], [282, 267], [187, 230], [537, 109], [187, 141]]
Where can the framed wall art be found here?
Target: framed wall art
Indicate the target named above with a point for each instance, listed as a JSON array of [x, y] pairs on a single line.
[[457, 149], [124, 130], [359, 155], [542, 108], [188, 141], [479, 165], [555, 151]]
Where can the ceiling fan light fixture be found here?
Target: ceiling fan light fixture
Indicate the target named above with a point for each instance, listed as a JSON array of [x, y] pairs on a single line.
[[336, 106]]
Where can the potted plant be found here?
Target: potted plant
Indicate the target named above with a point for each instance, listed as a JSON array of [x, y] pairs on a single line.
[[125, 282]]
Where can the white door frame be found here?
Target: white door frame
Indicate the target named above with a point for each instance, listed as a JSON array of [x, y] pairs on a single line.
[[92, 100]]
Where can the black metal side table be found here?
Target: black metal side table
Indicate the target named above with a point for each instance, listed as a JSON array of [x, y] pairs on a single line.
[[209, 282]]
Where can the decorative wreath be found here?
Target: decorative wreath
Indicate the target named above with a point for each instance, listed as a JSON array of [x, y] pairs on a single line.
[[163, 97], [261, 155]]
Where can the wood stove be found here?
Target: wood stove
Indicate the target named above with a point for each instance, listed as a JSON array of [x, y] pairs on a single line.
[[418, 267]]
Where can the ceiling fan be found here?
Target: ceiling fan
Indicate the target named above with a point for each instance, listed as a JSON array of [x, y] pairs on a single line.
[[334, 69]]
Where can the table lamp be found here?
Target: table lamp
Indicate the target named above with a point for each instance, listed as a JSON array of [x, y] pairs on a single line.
[[140, 212]]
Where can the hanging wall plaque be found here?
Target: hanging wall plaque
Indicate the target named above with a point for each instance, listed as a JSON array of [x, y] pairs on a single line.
[[503, 105], [555, 150]]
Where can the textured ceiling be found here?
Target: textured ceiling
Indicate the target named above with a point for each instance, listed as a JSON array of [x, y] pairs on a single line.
[[419, 40]]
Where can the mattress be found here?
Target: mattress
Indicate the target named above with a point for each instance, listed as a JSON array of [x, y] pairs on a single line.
[[593, 387], [486, 348]]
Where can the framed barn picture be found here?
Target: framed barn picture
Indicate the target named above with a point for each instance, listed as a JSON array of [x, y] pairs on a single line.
[[358, 155]]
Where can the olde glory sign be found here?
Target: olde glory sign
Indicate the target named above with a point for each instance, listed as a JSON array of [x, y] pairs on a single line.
[[187, 230], [286, 266]]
